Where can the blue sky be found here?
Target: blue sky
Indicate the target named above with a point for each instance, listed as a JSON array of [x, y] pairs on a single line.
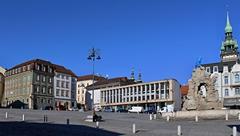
[[159, 38]]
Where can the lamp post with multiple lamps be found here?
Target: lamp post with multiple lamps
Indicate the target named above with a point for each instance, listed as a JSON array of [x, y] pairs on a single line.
[[93, 56]]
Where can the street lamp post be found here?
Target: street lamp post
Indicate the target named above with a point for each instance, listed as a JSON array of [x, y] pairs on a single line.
[[93, 56]]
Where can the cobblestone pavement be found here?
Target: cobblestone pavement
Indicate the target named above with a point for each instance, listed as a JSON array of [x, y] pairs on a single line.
[[114, 124]]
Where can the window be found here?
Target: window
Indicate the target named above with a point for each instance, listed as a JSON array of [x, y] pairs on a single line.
[[62, 93], [43, 78], [63, 76], [215, 69], [58, 83], [44, 90], [63, 84], [28, 67], [37, 89], [44, 68], [237, 91], [50, 80], [50, 70], [38, 77], [57, 92], [67, 93], [237, 78], [67, 77], [67, 84], [49, 90], [208, 69], [226, 92], [225, 79], [38, 67]]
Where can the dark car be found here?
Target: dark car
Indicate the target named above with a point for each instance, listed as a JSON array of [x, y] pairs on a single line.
[[150, 111], [122, 110], [108, 110]]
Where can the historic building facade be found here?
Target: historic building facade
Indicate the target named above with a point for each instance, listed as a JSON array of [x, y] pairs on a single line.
[[31, 83], [81, 92], [226, 73], [64, 88], [2, 78], [158, 94]]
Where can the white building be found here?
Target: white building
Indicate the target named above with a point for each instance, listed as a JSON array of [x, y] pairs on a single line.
[[82, 93], [152, 95], [227, 72], [64, 88]]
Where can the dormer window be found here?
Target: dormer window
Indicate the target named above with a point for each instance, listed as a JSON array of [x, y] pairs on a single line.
[[38, 67], [215, 69], [208, 69]]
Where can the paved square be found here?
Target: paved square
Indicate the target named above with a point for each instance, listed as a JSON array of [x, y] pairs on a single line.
[[114, 124]]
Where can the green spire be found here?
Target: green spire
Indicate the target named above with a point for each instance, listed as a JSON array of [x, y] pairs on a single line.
[[228, 28]]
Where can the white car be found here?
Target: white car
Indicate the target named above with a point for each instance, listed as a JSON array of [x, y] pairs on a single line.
[[136, 109]]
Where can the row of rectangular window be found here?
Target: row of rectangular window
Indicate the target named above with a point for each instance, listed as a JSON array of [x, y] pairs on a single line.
[[64, 93], [44, 68], [44, 78], [18, 70], [43, 90], [236, 77], [237, 92], [63, 84], [62, 76]]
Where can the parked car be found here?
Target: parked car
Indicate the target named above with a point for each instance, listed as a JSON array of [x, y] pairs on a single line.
[[122, 110], [108, 110], [150, 111], [136, 109]]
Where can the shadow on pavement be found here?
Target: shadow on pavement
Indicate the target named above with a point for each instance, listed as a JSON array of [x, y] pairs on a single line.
[[44, 129], [237, 126]]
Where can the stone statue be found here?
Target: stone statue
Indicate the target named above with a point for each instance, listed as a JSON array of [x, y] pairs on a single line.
[[201, 94]]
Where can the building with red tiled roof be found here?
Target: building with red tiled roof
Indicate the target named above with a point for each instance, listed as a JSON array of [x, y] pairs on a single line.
[[82, 83], [64, 88]]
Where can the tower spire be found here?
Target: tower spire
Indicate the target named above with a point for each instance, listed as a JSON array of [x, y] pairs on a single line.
[[228, 28]]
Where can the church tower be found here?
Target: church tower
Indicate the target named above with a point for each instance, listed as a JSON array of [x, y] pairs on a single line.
[[229, 48]]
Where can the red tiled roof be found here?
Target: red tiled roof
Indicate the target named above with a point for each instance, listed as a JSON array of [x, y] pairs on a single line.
[[184, 90], [62, 69], [90, 77], [30, 62]]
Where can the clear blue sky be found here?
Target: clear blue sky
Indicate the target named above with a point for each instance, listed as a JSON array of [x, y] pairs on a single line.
[[160, 38]]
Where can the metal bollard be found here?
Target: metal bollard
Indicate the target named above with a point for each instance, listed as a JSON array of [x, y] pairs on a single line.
[[6, 115], [134, 128], [234, 131], [179, 133], [168, 118], [23, 117], [97, 124], [68, 121], [196, 118], [226, 116], [45, 118], [150, 116]]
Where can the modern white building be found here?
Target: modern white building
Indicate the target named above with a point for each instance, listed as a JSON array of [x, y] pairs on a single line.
[[226, 73], [64, 88], [151, 95]]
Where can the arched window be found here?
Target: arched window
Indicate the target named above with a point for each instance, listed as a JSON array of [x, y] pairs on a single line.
[[237, 78]]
